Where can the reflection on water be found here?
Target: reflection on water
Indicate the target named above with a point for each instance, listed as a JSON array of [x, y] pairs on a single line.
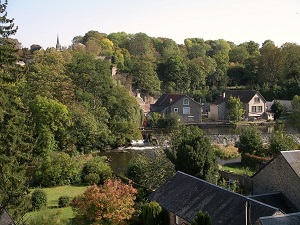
[[119, 159]]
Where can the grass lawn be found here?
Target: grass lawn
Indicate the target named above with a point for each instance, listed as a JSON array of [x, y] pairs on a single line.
[[52, 202], [239, 168]]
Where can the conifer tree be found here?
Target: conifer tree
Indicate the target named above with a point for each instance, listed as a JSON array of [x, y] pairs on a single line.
[[15, 135]]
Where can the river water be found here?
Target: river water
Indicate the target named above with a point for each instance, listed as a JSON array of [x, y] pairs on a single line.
[[120, 158]]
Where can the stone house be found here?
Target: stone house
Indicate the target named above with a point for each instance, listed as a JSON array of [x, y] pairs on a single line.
[[281, 174], [253, 102], [187, 108]]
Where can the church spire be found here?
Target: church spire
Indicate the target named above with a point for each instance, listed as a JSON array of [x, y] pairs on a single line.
[[58, 46]]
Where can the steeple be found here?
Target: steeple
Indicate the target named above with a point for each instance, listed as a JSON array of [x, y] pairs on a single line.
[[58, 46]]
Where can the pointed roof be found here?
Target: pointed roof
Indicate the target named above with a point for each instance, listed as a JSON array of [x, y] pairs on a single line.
[[167, 100], [58, 45], [244, 95], [292, 158], [288, 219], [185, 195]]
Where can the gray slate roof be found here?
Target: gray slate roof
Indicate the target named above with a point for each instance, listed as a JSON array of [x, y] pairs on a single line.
[[185, 195], [278, 200], [5, 218], [167, 100], [244, 95], [289, 219], [293, 159]]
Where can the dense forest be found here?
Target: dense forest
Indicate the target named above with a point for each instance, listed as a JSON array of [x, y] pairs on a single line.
[[57, 105]]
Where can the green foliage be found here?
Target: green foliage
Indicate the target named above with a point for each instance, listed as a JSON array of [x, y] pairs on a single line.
[[277, 109], [151, 213], [96, 169], [39, 199], [63, 201], [46, 217], [280, 141], [226, 152], [202, 219], [250, 141], [235, 109], [191, 152], [57, 169], [295, 115], [150, 172], [253, 160]]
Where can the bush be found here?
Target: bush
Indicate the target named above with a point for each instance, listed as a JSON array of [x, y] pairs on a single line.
[[63, 201], [226, 152], [253, 160], [250, 141], [98, 166], [39, 199], [91, 178]]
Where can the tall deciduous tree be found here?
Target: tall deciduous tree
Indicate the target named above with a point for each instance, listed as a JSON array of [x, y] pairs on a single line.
[[145, 78], [110, 204], [235, 109], [280, 141], [250, 141], [295, 115], [191, 152]]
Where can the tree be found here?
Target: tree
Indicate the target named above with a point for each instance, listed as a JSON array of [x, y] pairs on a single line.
[[109, 204], [280, 141], [152, 214], [150, 172], [145, 79], [295, 115], [277, 109], [250, 141], [235, 109], [202, 219], [191, 152], [15, 121]]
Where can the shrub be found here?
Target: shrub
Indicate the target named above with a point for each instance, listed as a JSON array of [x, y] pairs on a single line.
[[250, 141], [63, 201], [91, 178], [253, 160], [226, 152], [39, 199], [97, 165]]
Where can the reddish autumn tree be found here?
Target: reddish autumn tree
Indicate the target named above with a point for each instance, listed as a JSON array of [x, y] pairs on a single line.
[[109, 204]]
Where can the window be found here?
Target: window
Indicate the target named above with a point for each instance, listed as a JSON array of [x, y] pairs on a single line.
[[186, 101], [257, 100], [253, 108], [186, 110], [259, 108], [176, 110]]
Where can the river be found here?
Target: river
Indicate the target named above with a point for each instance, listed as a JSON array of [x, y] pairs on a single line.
[[119, 158]]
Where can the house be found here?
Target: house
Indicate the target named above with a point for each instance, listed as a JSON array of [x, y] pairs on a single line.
[[188, 109], [5, 218], [253, 102], [281, 174], [183, 196]]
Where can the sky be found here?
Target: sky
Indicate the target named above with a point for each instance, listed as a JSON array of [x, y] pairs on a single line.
[[40, 21]]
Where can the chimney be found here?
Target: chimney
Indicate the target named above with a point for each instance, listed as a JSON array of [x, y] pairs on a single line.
[[171, 100], [248, 212], [224, 95]]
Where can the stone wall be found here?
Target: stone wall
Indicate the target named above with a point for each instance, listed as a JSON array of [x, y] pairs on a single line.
[[225, 139], [278, 176]]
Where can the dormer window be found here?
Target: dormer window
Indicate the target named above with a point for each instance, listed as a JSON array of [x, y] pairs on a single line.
[[186, 101]]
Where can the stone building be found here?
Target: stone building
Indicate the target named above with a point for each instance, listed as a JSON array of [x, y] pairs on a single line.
[[281, 174]]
